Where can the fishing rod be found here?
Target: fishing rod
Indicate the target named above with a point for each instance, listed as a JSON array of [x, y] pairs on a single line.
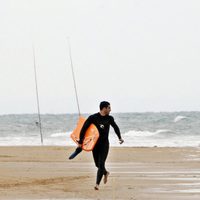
[[73, 75], [37, 97]]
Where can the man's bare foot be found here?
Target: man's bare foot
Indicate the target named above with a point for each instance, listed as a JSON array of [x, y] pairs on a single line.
[[105, 180], [96, 187]]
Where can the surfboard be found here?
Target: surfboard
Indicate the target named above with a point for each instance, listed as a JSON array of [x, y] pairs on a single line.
[[91, 135]]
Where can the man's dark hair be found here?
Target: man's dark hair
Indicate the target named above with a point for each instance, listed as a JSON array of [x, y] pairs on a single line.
[[104, 104]]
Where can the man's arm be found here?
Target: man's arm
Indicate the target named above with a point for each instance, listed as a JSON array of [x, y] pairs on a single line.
[[116, 128], [86, 125]]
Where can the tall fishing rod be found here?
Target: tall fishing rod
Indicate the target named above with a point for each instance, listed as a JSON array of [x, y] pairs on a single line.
[[37, 97], [73, 75]]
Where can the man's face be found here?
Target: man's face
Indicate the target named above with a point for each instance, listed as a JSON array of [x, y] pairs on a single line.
[[107, 110]]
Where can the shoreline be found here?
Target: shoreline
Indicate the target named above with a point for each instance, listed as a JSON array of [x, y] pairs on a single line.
[[139, 173], [70, 146]]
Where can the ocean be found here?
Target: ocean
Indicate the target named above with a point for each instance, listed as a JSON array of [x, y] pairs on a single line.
[[163, 129]]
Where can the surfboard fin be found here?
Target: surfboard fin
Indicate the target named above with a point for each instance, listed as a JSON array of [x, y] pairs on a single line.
[[75, 153]]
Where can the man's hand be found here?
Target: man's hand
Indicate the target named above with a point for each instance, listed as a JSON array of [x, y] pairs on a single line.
[[121, 141], [79, 145]]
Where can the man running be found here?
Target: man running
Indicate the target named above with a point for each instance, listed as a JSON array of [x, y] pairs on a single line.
[[102, 120]]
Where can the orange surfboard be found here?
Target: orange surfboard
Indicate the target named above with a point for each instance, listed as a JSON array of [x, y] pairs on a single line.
[[91, 135]]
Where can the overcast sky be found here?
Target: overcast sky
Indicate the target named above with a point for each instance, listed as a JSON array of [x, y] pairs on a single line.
[[141, 55]]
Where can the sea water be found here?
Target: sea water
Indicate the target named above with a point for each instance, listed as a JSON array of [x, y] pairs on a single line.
[[163, 129]]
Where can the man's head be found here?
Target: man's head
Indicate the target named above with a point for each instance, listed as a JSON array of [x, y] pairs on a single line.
[[105, 107]]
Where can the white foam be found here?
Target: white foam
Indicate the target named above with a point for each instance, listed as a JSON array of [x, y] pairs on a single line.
[[163, 131], [61, 134], [17, 141], [178, 118], [131, 139], [145, 133]]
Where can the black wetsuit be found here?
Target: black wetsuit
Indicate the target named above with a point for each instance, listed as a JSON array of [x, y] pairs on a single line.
[[101, 148]]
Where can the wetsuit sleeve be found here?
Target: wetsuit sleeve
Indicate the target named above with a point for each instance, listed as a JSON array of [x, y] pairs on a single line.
[[86, 125], [116, 128]]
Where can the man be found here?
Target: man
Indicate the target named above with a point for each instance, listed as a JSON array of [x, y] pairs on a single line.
[[102, 120]]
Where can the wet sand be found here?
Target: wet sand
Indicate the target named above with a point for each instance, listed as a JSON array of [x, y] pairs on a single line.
[[135, 174]]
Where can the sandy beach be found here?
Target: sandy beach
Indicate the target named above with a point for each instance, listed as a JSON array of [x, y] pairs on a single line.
[[135, 174]]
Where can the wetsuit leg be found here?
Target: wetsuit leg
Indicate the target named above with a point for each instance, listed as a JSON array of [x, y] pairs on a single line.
[[95, 153], [100, 153]]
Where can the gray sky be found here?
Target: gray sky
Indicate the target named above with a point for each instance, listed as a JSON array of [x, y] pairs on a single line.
[[141, 55]]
